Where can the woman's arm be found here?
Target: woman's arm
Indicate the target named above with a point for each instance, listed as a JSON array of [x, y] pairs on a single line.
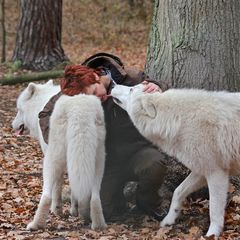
[[135, 77]]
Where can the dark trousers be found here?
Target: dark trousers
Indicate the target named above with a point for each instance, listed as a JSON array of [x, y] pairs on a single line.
[[146, 169]]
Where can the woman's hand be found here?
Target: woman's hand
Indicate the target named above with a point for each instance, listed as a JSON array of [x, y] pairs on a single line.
[[151, 87]]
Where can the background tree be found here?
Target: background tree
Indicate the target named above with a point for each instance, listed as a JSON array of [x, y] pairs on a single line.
[[38, 42], [196, 43]]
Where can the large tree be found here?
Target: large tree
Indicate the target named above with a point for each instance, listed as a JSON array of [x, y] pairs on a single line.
[[196, 43], [38, 42]]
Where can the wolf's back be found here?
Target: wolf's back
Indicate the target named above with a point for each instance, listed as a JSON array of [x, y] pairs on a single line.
[[83, 113]]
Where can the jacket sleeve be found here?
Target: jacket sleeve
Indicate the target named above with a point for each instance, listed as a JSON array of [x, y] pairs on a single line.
[[45, 114], [135, 77]]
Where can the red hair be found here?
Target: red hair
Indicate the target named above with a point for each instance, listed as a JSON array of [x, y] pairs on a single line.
[[77, 78]]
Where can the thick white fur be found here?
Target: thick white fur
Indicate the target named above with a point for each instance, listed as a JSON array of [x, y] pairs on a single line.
[[76, 141], [29, 103], [201, 129]]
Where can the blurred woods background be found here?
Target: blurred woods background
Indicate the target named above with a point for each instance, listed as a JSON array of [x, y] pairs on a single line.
[[120, 27]]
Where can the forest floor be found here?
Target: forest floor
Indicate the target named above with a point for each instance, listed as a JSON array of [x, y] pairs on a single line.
[[21, 157]]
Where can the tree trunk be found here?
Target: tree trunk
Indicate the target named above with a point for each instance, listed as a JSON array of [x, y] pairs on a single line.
[[38, 43], [196, 43], [30, 77]]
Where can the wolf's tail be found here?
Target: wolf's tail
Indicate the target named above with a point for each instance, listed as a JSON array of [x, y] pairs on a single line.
[[82, 141]]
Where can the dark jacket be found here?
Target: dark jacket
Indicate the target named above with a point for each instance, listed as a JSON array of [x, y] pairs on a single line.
[[45, 114], [123, 139]]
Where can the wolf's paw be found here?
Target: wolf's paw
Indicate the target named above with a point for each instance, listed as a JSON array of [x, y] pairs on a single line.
[[56, 209], [74, 211], [32, 226], [98, 226], [214, 230], [167, 221]]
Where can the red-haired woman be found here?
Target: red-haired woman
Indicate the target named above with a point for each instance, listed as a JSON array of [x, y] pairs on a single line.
[[129, 156]]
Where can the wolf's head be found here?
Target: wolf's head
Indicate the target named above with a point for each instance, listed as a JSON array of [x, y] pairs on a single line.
[[134, 100], [29, 103], [122, 95]]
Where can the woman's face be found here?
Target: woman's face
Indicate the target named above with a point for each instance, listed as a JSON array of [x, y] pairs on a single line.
[[97, 89]]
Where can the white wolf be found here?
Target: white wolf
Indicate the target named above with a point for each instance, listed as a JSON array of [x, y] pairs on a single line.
[[201, 129], [76, 142]]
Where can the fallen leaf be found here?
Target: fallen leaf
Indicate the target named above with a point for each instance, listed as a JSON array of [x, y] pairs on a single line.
[[3, 186], [236, 199], [162, 233]]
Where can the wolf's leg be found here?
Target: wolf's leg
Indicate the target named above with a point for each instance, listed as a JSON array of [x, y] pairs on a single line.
[[45, 201], [218, 182], [41, 214], [53, 169], [96, 212], [74, 206], [56, 206], [192, 183], [83, 208]]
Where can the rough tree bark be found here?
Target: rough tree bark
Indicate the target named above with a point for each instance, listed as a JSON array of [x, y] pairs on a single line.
[[196, 43], [38, 42]]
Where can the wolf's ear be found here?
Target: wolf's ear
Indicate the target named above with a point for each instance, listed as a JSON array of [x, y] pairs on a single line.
[[50, 82], [149, 107], [32, 87]]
